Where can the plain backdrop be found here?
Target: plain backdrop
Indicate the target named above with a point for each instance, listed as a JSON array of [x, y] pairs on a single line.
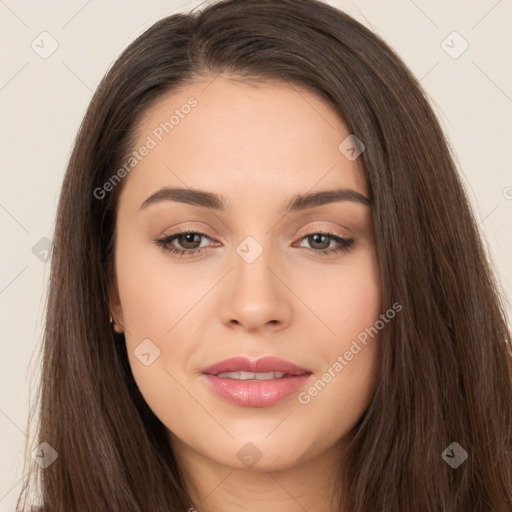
[[461, 52]]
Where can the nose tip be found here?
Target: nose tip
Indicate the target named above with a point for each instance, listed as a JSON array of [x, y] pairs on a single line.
[[254, 297]]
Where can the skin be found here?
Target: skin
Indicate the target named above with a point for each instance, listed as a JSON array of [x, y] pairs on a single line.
[[258, 145]]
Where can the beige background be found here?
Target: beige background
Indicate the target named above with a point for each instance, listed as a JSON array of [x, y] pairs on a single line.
[[43, 101]]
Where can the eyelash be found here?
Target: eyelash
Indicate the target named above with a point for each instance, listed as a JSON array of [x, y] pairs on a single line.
[[345, 244]]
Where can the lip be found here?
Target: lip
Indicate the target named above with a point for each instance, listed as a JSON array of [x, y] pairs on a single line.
[[255, 393], [262, 365]]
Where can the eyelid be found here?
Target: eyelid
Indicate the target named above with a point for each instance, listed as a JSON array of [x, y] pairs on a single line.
[[324, 230], [166, 233]]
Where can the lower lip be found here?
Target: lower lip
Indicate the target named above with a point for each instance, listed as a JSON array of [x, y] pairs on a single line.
[[252, 393]]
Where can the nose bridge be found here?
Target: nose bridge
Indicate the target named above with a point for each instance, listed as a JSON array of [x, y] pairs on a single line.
[[252, 263], [255, 295]]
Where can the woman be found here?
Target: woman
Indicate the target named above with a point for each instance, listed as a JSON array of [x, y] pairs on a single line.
[[268, 290]]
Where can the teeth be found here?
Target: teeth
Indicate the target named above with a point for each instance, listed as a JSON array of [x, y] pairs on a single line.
[[251, 376]]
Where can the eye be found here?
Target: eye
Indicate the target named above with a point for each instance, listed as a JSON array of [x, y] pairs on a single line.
[[188, 239], [320, 242], [190, 242]]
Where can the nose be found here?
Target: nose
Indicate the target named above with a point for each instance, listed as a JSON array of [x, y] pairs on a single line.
[[255, 296]]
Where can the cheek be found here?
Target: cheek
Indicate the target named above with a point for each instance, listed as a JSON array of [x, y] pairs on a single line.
[[346, 298], [160, 302], [154, 292], [350, 306]]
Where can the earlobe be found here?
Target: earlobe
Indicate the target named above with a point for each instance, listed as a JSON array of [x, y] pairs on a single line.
[[116, 325], [116, 313], [116, 318]]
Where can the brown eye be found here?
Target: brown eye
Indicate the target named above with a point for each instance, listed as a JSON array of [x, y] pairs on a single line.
[[320, 242], [188, 243], [188, 240]]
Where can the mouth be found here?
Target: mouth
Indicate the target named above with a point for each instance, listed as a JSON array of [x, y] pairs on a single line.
[[241, 375], [255, 383]]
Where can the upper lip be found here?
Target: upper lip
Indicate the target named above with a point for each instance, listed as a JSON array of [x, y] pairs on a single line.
[[262, 365]]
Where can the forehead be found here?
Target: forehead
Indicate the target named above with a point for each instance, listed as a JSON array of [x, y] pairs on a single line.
[[226, 135]]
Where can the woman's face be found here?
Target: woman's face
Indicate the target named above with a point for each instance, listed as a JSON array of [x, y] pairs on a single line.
[[300, 284]]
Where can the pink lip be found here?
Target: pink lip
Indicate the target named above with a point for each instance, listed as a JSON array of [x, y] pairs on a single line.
[[262, 365], [254, 393]]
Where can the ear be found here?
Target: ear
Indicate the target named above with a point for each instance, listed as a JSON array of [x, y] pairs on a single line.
[[116, 312]]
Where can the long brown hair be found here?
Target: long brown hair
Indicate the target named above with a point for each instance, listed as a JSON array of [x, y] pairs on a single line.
[[446, 364]]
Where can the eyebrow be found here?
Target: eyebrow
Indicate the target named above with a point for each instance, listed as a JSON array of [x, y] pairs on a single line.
[[214, 201]]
